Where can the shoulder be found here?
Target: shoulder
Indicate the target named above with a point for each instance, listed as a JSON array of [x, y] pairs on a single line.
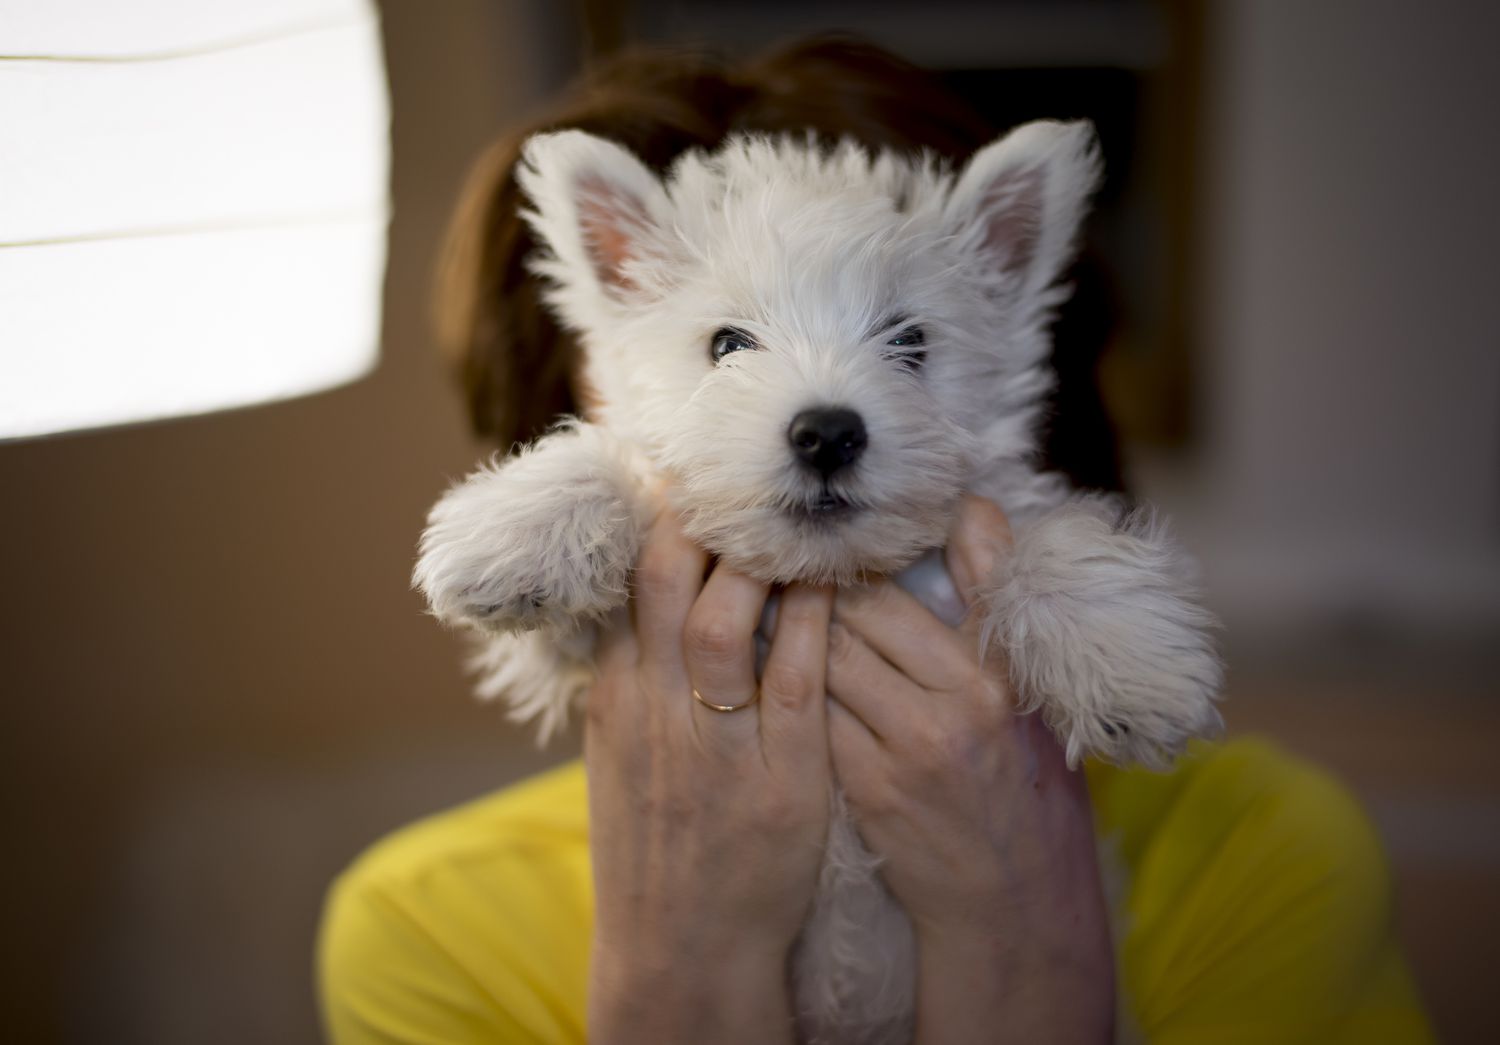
[[544, 815], [1254, 900], [473, 923], [1236, 802]]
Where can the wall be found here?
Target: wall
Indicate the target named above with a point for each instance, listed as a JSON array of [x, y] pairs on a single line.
[[1349, 476]]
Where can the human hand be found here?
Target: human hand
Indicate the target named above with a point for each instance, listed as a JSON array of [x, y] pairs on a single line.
[[707, 827], [987, 836]]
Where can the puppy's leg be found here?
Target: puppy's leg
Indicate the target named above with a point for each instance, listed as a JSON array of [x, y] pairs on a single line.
[[1096, 610], [546, 538]]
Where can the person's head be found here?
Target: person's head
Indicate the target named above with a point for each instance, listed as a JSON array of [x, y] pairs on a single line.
[[520, 368]]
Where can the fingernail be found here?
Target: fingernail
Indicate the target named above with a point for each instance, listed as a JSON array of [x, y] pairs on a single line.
[[973, 546], [979, 563]]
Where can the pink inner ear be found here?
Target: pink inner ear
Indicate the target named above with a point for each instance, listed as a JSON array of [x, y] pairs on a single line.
[[607, 218], [1012, 213]]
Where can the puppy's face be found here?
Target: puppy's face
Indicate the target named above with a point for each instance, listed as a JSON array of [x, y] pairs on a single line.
[[820, 349]]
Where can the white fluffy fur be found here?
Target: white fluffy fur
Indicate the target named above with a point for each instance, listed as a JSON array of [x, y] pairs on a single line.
[[1094, 608], [546, 538], [855, 968], [820, 255]]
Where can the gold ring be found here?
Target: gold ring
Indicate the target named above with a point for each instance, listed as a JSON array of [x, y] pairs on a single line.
[[700, 698]]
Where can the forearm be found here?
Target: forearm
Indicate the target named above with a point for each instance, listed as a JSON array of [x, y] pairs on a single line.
[[730, 995]]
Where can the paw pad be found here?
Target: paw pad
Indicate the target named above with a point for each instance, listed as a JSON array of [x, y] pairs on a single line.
[[519, 608]]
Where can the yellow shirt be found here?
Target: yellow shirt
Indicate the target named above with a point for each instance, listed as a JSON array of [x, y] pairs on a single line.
[[1256, 908]]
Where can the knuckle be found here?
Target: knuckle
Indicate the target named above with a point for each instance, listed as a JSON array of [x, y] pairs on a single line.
[[595, 711], [983, 703], [658, 579], [599, 698], [936, 749], [608, 704], [968, 691], [787, 683], [711, 637], [871, 799], [840, 646]]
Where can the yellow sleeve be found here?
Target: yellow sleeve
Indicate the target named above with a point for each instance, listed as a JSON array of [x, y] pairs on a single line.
[[471, 926], [1257, 905], [385, 980]]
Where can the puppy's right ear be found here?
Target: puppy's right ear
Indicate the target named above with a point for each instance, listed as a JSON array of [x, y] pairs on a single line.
[[601, 213], [1020, 201]]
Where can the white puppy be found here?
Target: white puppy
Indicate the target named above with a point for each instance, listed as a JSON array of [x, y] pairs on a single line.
[[822, 350]]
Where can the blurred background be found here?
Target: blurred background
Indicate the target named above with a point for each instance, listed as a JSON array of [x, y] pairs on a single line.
[[218, 687]]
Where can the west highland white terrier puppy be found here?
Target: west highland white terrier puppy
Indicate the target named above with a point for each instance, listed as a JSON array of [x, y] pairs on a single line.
[[821, 350]]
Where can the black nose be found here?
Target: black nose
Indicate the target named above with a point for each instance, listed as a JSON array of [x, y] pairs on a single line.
[[827, 438]]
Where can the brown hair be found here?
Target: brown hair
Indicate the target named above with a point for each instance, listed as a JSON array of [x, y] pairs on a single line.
[[514, 361]]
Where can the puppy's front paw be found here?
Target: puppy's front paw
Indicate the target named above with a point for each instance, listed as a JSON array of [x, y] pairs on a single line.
[[530, 543], [504, 561], [1098, 615], [500, 605], [1151, 734]]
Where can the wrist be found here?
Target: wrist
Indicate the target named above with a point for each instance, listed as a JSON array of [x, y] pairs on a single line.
[[1022, 982], [724, 993]]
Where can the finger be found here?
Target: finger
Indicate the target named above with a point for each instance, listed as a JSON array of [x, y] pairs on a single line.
[[719, 645], [857, 754], [617, 648], [668, 578], [906, 633], [604, 726], [793, 723], [980, 535], [868, 685]]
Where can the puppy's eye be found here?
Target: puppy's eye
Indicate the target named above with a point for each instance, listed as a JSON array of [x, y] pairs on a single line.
[[911, 337], [727, 340], [908, 344]]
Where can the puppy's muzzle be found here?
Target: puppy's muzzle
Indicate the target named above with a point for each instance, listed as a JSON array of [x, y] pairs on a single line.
[[827, 439]]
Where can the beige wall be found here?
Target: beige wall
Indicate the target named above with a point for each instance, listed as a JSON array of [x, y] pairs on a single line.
[[1348, 479]]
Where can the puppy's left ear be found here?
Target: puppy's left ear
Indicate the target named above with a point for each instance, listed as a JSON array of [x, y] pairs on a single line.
[[1021, 199], [601, 212]]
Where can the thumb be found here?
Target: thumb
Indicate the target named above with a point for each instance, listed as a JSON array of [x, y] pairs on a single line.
[[979, 539]]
